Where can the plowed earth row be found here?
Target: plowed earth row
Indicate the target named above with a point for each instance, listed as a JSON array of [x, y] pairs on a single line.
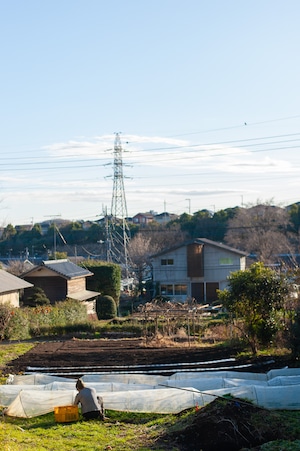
[[131, 354]]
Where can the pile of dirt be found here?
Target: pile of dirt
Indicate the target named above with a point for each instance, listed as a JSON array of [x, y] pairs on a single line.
[[228, 425]]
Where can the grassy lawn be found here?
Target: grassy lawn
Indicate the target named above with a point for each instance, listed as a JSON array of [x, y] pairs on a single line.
[[9, 352], [121, 432]]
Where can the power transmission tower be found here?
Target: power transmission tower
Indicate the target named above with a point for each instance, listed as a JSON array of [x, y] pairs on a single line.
[[119, 232]]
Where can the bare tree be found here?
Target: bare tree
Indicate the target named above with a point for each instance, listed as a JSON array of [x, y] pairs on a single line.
[[18, 267], [261, 230], [148, 241], [139, 249]]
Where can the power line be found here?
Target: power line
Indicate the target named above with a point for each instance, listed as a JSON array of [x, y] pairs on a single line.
[[174, 147], [76, 164], [248, 124]]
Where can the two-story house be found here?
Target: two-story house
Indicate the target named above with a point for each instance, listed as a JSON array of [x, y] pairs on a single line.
[[195, 269]]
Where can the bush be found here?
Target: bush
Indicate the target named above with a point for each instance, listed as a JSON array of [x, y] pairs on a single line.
[[106, 278], [5, 315], [37, 297], [14, 323], [73, 312], [18, 327], [294, 335], [51, 320], [22, 323], [106, 307]]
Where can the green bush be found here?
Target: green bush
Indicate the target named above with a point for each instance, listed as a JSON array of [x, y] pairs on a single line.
[[14, 323], [73, 312], [294, 335], [5, 316], [52, 320], [106, 307], [37, 297], [21, 323], [106, 278], [18, 327]]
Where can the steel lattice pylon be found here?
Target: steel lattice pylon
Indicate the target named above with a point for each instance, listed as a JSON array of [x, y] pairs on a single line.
[[118, 228]]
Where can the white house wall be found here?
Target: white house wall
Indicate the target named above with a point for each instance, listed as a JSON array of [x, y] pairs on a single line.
[[171, 273], [219, 263], [10, 298]]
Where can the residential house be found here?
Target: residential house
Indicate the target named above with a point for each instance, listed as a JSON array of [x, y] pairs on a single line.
[[195, 269], [11, 287], [61, 279], [142, 218], [165, 217]]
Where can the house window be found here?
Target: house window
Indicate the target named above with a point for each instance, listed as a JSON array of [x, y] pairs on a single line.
[[167, 262], [180, 289], [166, 290], [226, 261]]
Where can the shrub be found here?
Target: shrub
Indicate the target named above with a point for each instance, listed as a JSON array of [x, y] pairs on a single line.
[[106, 307], [73, 312], [18, 327], [22, 323], [14, 323], [106, 278], [57, 319], [5, 315], [37, 297], [294, 335]]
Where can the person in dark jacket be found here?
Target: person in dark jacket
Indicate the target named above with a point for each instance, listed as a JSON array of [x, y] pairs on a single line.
[[91, 404]]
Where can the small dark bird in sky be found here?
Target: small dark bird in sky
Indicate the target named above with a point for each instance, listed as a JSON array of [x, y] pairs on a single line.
[[245, 123]]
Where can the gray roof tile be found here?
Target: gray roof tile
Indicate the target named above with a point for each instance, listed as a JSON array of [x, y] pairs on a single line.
[[9, 282]]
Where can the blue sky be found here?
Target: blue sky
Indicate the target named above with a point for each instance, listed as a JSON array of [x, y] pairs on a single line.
[[204, 93]]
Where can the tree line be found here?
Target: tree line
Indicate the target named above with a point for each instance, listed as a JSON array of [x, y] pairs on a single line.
[[263, 230]]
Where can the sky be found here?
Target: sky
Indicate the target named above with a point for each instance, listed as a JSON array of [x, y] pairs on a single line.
[[204, 96]]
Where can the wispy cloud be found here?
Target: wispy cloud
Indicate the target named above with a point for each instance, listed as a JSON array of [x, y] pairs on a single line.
[[169, 153]]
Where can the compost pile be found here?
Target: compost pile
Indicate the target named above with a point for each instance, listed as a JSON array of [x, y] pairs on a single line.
[[228, 425]]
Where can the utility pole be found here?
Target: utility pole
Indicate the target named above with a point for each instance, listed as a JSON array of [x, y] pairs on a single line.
[[54, 233], [189, 201]]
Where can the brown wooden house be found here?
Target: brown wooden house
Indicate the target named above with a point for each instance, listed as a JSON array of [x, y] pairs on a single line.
[[60, 280]]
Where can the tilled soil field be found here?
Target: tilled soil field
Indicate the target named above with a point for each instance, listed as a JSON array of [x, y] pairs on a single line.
[[80, 355]]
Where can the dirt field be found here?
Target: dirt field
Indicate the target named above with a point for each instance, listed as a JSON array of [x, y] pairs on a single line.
[[131, 354]]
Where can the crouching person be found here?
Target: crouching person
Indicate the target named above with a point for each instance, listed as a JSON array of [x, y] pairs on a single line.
[[91, 404]]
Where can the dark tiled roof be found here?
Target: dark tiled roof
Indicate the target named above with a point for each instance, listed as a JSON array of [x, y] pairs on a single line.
[[66, 268]]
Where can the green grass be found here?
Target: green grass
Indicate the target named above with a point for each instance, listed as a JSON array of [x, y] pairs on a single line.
[[9, 352], [121, 432]]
